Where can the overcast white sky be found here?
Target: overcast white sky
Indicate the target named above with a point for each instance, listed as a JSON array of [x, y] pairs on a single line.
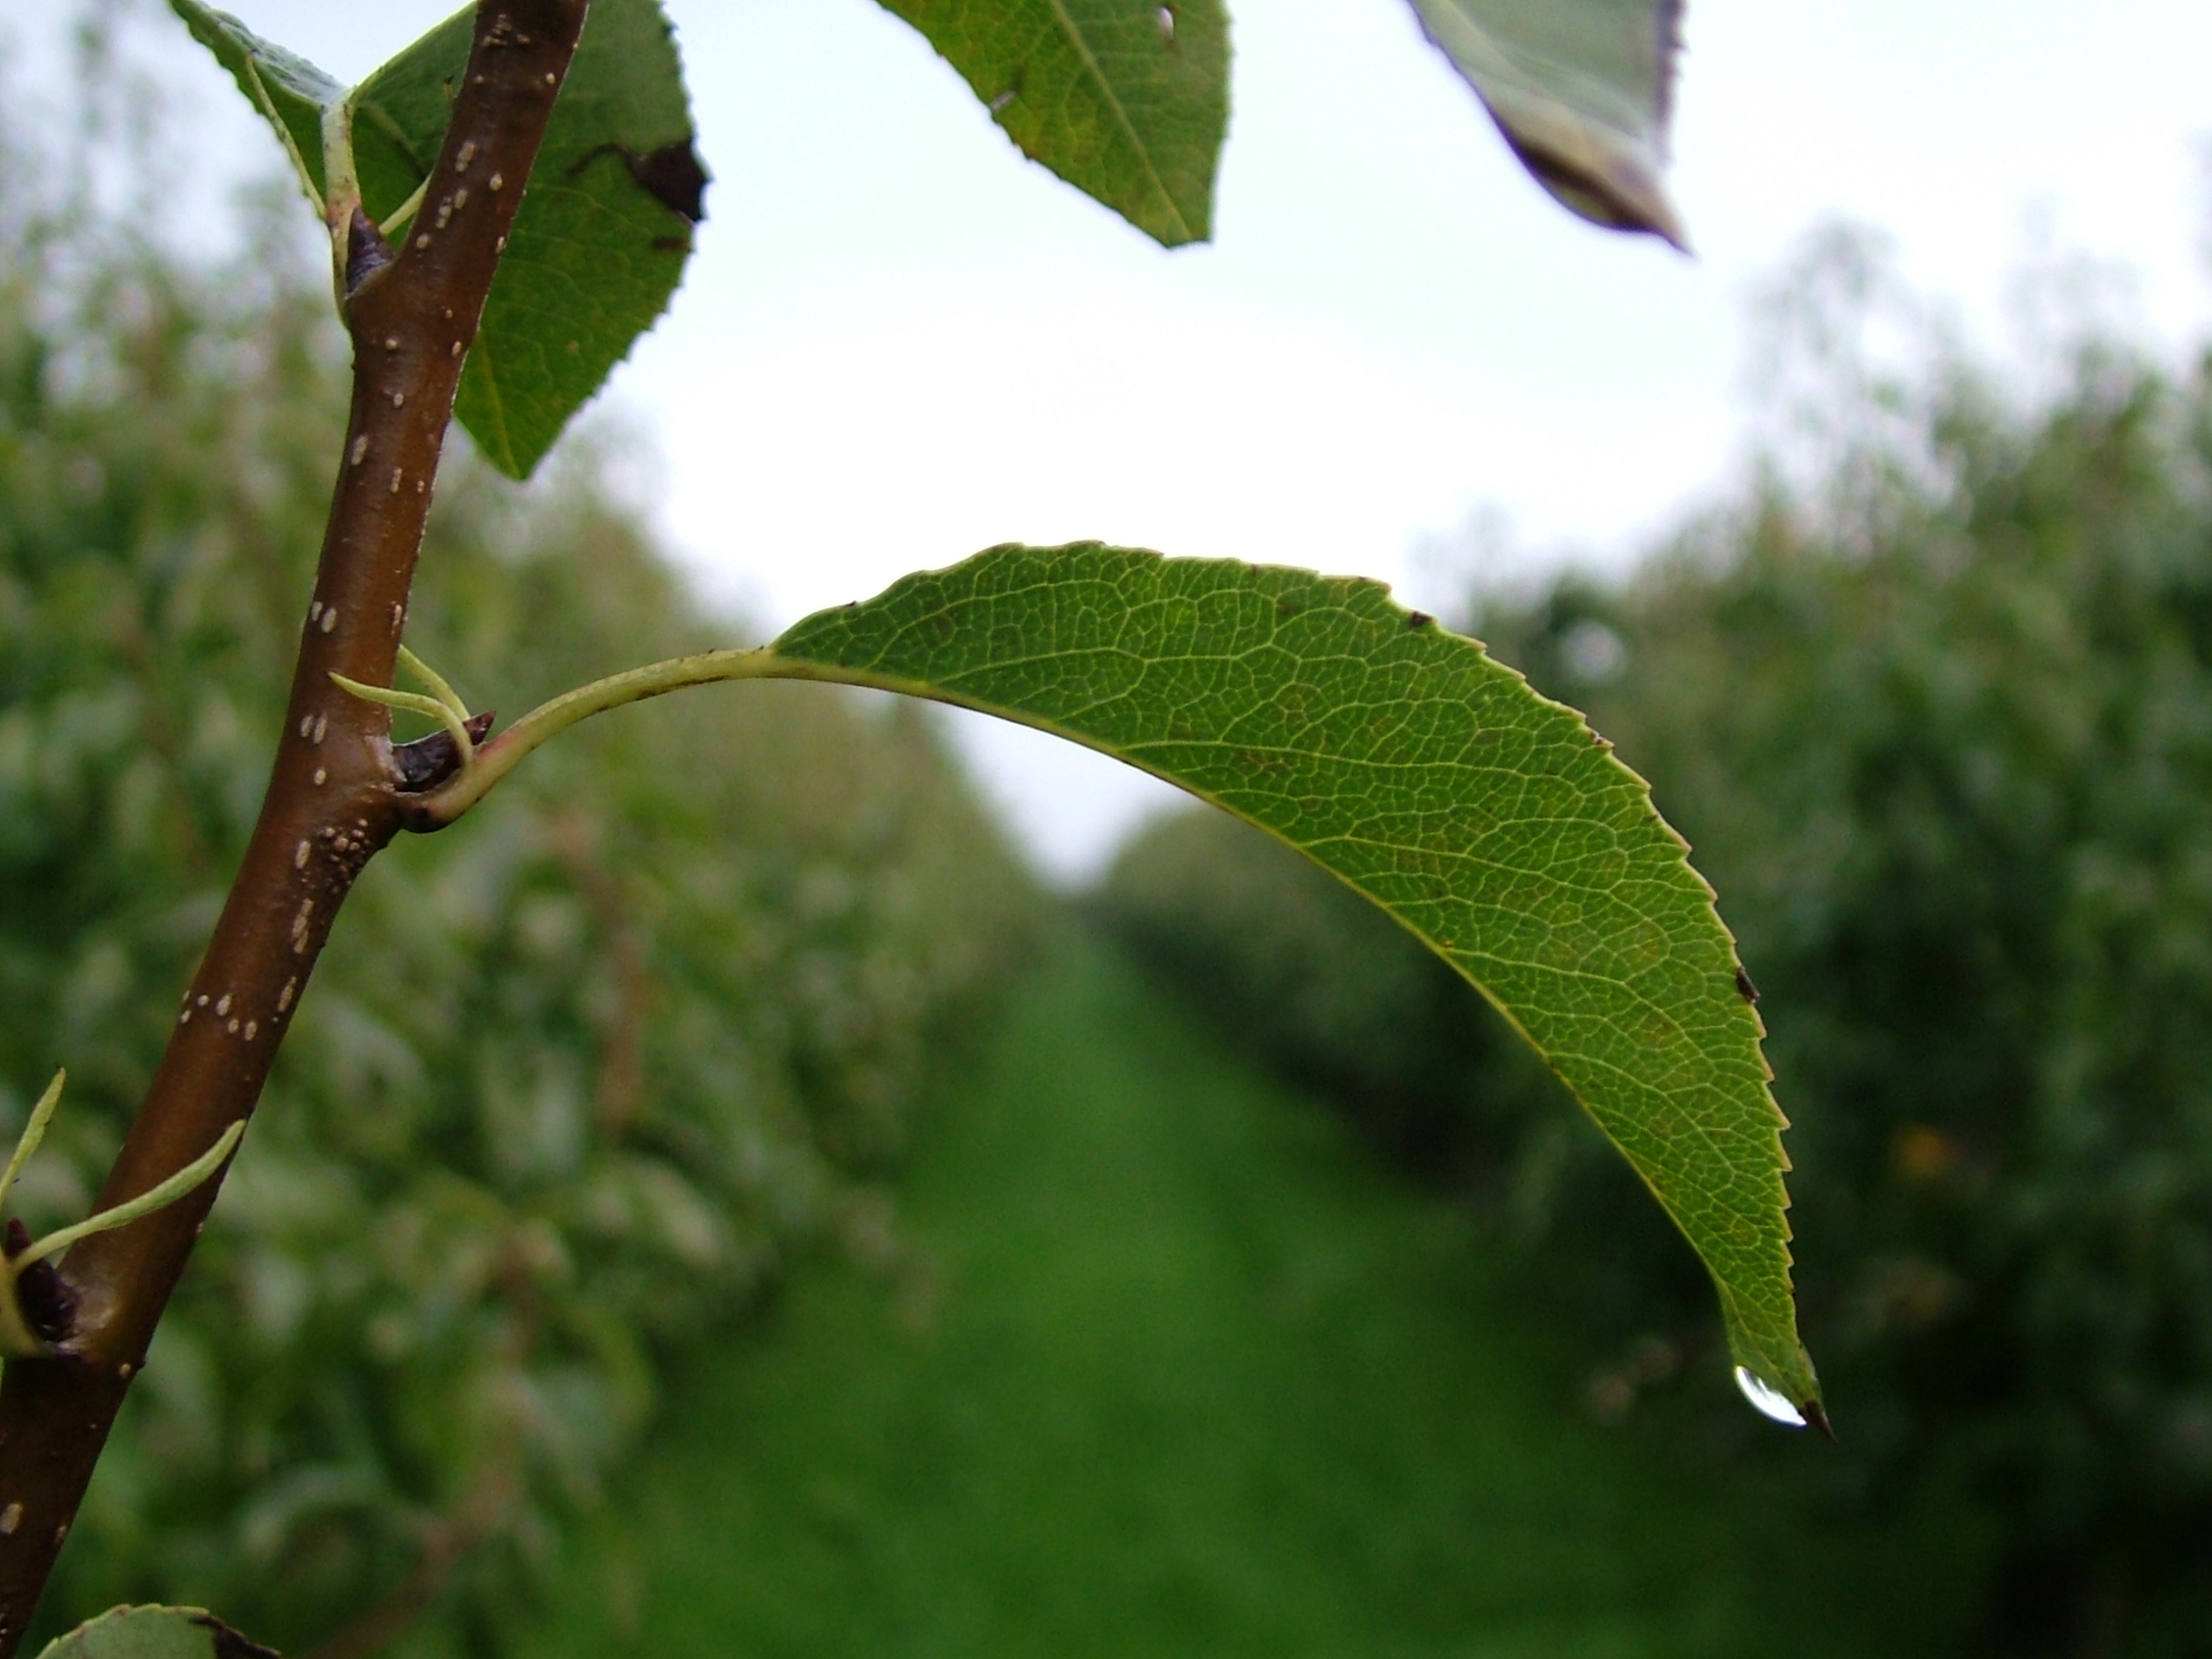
[[900, 342]]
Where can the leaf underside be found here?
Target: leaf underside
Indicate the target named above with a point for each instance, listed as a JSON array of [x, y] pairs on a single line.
[[1583, 90], [297, 93], [594, 255], [1435, 780], [155, 1633], [1126, 100]]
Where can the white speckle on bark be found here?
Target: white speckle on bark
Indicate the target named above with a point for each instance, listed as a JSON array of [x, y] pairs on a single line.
[[300, 856], [360, 449]]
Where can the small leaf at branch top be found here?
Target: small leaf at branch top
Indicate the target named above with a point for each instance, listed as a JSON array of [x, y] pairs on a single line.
[[1488, 819], [1126, 100], [1583, 90], [297, 92], [604, 233], [156, 1633]]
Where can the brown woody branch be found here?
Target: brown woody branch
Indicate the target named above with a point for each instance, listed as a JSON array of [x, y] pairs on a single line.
[[332, 801]]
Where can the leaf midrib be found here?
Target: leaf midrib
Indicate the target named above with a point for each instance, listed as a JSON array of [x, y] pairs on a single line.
[[1122, 115]]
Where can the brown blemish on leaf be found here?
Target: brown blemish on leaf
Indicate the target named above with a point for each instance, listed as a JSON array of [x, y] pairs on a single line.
[[672, 175], [228, 1644]]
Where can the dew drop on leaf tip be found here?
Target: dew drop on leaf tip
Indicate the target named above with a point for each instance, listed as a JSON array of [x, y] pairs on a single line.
[[1767, 1401]]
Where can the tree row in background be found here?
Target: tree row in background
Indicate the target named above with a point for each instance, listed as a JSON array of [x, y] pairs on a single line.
[[1935, 711], [580, 1078]]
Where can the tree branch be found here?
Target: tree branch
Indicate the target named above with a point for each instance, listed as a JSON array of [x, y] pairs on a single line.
[[331, 802]]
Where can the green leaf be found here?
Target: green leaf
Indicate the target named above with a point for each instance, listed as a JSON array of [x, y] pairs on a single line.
[[1126, 100], [290, 92], [1488, 819], [156, 1633], [1582, 90], [602, 238]]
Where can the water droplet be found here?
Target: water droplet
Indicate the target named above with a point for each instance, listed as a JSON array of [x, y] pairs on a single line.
[[1767, 1401]]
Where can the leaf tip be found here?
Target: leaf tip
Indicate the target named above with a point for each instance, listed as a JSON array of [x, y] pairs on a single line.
[[1611, 188], [1816, 1416]]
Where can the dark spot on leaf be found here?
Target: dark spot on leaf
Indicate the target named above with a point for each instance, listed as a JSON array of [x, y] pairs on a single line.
[[677, 178], [672, 175], [46, 1299], [672, 245], [228, 1644], [1749, 992], [1420, 619], [428, 761]]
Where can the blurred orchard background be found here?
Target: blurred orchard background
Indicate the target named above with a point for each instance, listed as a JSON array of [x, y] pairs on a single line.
[[801, 1176]]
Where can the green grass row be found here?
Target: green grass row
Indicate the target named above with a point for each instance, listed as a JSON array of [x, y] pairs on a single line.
[[1190, 1374]]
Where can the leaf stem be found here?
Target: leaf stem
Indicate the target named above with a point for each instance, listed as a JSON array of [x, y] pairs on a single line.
[[157, 1198], [404, 213], [439, 687], [504, 753], [34, 1131]]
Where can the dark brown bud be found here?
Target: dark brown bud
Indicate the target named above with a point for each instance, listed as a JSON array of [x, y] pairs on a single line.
[[428, 761], [367, 252], [48, 1301]]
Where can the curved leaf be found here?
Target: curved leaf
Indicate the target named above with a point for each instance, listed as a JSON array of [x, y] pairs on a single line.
[[156, 1633], [290, 92], [1583, 90], [1126, 100], [1434, 780], [603, 236]]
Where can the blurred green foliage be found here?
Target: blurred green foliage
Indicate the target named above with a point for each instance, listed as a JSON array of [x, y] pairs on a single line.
[[576, 1080], [1933, 702]]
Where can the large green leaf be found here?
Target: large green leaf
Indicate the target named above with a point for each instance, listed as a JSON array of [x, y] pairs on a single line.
[[1126, 99], [156, 1633], [1488, 819], [290, 92], [602, 235], [1582, 90]]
